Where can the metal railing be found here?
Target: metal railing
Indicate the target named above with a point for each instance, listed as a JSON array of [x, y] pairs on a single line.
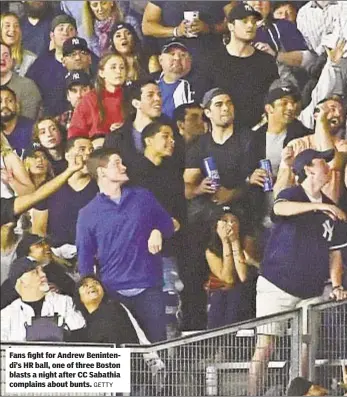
[[217, 362]]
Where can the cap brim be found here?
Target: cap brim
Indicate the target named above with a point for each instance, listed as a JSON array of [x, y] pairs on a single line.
[[327, 155]]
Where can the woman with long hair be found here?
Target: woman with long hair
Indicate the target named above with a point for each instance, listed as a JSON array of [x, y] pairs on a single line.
[[102, 108], [125, 41], [231, 286], [11, 35], [98, 19]]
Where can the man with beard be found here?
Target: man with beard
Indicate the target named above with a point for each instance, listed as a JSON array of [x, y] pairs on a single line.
[[57, 216], [228, 144], [243, 71], [28, 94], [329, 115], [36, 301], [36, 24], [16, 128]]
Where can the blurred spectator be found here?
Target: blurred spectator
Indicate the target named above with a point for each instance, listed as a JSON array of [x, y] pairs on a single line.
[[322, 24], [78, 83], [57, 216], [243, 71], [16, 128], [102, 108], [106, 321], [14, 178], [48, 71], [303, 250], [129, 267], [231, 297], [98, 19], [12, 208], [282, 40], [190, 122], [285, 10], [46, 133], [176, 63], [329, 116], [28, 95], [202, 37], [36, 25], [11, 34], [30, 282], [302, 387], [37, 165], [125, 41], [328, 82]]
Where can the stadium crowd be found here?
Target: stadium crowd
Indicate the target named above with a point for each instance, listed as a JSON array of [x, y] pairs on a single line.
[[135, 200]]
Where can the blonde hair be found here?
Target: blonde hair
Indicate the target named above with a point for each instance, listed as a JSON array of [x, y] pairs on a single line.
[[5, 147], [17, 49], [49, 174], [88, 17]]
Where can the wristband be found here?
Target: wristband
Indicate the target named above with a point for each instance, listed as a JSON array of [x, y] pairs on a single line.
[[175, 32]]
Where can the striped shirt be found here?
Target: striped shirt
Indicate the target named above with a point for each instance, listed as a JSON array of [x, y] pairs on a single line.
[[323, 26]]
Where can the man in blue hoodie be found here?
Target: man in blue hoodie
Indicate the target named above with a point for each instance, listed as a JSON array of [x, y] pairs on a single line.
[[122, 229]]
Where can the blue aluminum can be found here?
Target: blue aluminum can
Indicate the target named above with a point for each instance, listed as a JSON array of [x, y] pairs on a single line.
[[211, 171], [265, 164]]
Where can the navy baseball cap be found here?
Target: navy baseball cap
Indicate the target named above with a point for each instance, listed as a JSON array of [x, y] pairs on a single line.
[[19, 267], [209, 95], [77, 77], [63, 18], [74, 43], [243, 10], [304, 158], [173, 44], [299, 387], [281, 92]]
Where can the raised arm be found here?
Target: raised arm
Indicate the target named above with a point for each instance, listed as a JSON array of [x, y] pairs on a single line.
[[24, 203], [17, 175]]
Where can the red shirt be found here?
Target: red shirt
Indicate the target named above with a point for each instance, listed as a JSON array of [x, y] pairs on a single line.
[[86, 119]]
